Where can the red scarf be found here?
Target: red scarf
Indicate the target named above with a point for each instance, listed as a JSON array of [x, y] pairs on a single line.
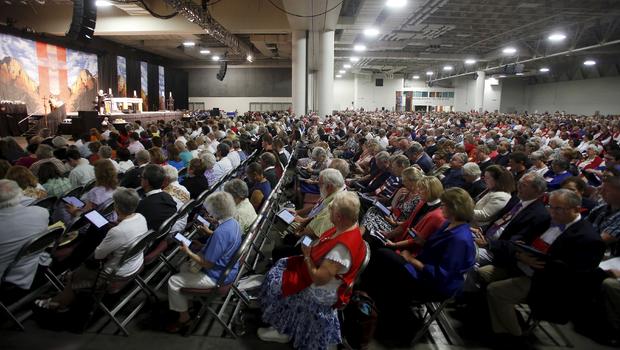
[[297, 278]]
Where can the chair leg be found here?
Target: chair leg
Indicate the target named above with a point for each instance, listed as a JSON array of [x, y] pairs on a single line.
[[12, 317], [51, 277], [113, 318], [431, 319]]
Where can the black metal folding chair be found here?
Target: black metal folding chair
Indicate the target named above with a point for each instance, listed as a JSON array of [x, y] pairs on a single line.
[[34, 247]]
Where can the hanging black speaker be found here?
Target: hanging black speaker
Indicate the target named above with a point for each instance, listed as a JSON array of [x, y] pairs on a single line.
[[84, 19], [222, 73]]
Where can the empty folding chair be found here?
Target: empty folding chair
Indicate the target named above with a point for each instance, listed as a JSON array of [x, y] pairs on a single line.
[[31, 249]]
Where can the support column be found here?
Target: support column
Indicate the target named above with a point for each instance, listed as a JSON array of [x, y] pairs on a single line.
[[355, 92], [299, 62], [479, 92], [326, 74]]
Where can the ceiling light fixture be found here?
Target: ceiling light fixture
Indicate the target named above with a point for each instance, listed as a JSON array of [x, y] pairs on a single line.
[[502, 76], [205, 52], [447, 68], [544, 70], [346, 66], [416, 77], [589, 62], [342, 71], [396, 3], [359, 47], [470, 61], [354, 59], [509, 50], [189, 44], [519, 74], [371, 32], [338, 76], [215, 58], [429, 73], [102, 3], [249, 58], [555, 37]]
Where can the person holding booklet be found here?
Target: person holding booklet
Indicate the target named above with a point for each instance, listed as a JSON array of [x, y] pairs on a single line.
[[207, 262], [131, 227]]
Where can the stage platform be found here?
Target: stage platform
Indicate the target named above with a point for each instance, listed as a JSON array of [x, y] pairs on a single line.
[[144, 117]]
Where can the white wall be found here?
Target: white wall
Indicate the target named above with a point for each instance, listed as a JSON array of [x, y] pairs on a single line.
[[577, 96], [464, 94], [371, 97], [492, 95], [344, 94], [241, 104]]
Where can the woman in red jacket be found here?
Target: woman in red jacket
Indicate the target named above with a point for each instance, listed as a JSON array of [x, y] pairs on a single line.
[[426, 219], [301, 294]]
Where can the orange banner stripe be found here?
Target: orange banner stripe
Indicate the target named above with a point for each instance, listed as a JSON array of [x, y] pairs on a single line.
[[61, 54], [42, 60]]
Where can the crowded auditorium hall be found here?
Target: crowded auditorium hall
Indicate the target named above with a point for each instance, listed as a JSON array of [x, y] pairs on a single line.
[[317, 174]]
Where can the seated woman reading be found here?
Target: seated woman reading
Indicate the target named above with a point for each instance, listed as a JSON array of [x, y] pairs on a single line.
[[300, 294]]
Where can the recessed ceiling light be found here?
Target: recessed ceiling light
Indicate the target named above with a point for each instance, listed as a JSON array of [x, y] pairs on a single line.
[[371, 32], [429, 73], [215, 58], [509, 50], [249, 58], [346, 66], [205, 52], [519, 74], [342, 71], [102, 3], [338, 76], [544, 69], [396, 3], [354, 59], [556, 37], [502, 76], [447, 68], [470, 61], [359, 47], [589, 62], [189, 44], [416, 77]]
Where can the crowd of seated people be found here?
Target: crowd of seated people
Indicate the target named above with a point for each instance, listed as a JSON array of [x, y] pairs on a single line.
[[513, 208]]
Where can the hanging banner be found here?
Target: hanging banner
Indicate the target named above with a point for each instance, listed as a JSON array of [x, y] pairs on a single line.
[[121, 76], [144, 85], [162, 88]]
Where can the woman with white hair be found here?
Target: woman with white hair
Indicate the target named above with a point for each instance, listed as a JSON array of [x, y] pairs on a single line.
[[320, 162], [245, 211], [592, 161], [178, 192], [209, 159], [206, 263], [301, 294]]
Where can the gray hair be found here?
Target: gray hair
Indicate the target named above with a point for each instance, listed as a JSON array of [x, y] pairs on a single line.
[[238, 188], [571, 198], [319, 152], [105, 152], [125, 200], [538, 155], [172, 174], [415, 148], [209, 159], [463, 157], [10, 193], [382, 156], [332, 177], [44, 152], [538, 181], [221, 205], [471, 169], [143, 157]]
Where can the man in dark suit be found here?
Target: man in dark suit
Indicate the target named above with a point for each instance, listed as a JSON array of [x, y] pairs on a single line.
[[453, 177], [416, 155], [552, 278], [431, 146], [483, 159], [523, 220], [156, 206], [133, 176]]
